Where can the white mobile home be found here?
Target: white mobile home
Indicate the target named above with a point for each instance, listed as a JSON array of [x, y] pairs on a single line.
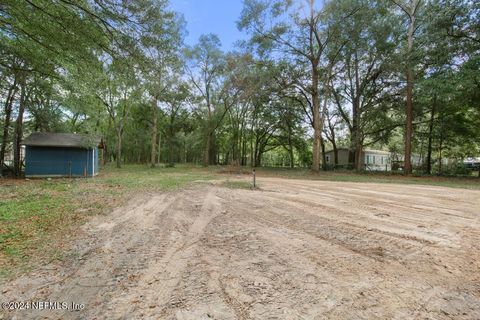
[[376, 160], [371, 160]]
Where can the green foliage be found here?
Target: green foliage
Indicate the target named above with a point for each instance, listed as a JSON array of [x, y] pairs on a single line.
[[470, 182], [236, 184], [34, 213], [39, 216], [109, 69], [141, 177]]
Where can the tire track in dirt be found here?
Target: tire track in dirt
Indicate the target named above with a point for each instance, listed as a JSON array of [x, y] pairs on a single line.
[[310, 259], [390, 217], [161, 277], [437, 197], [421, 266], [349, 236], [105, 262], [291, 251]]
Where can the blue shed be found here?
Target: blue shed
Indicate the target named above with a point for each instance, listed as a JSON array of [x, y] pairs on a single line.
[[61, 155]]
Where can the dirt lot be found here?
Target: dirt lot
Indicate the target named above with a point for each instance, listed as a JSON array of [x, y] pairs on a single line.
[[292, 250]]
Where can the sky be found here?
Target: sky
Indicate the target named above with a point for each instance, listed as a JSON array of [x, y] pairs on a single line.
[[211, 16]]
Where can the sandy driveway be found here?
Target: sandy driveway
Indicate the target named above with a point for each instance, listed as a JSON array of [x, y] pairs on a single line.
[[292, 250]]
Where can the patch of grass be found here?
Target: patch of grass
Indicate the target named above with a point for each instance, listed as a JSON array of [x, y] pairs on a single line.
[[237, 184], [142, 177], [374, 177], [39, 217], [35, 219]]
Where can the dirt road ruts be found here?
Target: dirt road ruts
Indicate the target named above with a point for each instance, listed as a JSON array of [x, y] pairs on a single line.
[[292, 250]]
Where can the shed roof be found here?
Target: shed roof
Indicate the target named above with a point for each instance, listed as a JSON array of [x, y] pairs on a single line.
[[72, 140]]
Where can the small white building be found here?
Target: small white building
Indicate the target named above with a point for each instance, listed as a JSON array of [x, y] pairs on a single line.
[[472, 162]]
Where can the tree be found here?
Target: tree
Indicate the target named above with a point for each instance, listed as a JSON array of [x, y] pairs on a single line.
[[175, 114], [364, 73], [303, 37], [241, 82], [410, 8], [119, 93], [159, 41], [290, 131], [313, 75], [205, 70], [33, 51], [12, 83]]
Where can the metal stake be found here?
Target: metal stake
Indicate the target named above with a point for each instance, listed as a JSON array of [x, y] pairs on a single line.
[[254, 182]]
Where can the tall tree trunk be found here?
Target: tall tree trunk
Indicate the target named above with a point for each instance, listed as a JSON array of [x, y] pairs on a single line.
[[252, 154], [440, 145], [351, 153], [255, 152], [292, 159], [324, 156], [206, 156], [358, 115], [104, 152], [12, 91], [334, 145], [324, 114], [118, 156], [208, 136], [240, 148], [170, 146], [357, 137], [290, 148], [235, 142], [317, 130], [154, 133], [258, 162], [358, 154], [213, 149], [252, 149], [19, 131], [185, 151], [170, 135], [411, 10], [159, 147], [430, 136], [440, 169], [244, 152], [409, 124], [258, 158], [335, 153], [409, 107]]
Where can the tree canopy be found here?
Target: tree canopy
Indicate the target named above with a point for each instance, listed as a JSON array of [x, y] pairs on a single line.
[[395, 75]]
